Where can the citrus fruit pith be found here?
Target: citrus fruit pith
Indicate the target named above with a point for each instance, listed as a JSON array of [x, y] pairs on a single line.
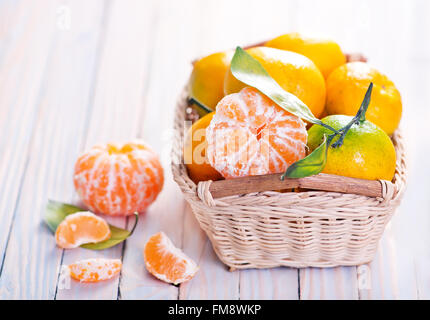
[[118, 179], [251, 135], [95, 270]]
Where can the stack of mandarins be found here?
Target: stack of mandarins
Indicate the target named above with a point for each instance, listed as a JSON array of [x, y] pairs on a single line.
[[248, 134]]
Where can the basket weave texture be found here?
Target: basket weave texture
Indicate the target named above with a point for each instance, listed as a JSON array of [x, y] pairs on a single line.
[[294, 229]]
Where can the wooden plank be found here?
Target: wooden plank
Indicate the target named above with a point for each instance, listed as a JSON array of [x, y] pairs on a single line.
[[379, 278], [328, 283], [269, 284], [165, 75], [213, 280], [412, 221], [422, 266], [404, 247], [15, 18], [20, 82], [31, 261], [116, 113]]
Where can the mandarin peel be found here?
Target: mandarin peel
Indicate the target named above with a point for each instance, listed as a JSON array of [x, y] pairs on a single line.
[[252, 135], [81, 228]]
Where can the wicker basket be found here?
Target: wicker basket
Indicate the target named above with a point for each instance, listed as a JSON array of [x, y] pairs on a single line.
[[294, 229]]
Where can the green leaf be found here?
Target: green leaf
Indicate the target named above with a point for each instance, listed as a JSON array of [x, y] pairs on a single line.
[[118, 235], [365, 104], [58, 211], [359, 117], [204, 108], [312, 164], [250, 71]]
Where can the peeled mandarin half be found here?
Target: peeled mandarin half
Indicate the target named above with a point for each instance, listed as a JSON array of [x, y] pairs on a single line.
[[95, 270], [80, 228], [166, 262], [251, 135]]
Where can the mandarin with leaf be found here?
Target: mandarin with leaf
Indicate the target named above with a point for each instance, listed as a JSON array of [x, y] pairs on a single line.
[[294, 72], [366, 151], [252, 135]]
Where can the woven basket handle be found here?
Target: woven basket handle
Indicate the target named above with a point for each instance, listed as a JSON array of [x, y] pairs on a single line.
[[272, 182]]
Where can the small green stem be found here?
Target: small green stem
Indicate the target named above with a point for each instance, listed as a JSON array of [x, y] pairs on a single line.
[[358, 118], [342, 133], [328, 127]]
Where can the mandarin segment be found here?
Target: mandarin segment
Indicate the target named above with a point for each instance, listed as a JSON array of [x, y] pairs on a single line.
[[251, 135], [166, 262], [118, 179], [81, 228], [95, 270]]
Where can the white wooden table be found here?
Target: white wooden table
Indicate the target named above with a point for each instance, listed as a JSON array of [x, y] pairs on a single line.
[[75, 73]]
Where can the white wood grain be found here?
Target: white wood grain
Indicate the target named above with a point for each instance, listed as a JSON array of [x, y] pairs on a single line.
[[115, 114], [213, 280], [269, 284], [167, 71], [388, 276], [397, 48], [31, 261], [17, 67], [338, 283]]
